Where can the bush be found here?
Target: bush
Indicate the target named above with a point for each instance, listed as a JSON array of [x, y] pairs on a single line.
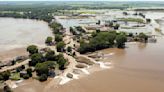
[[50, 56], [143, 37], [23, 66], [69, 49], [15, 76], [1, 77], [120, 40], [26, 76], [41, 68], [56, 27], [6, 75], [58, 38], [73, 31], [49, 40], [116, 27], [29, 72], [36, 58], [60, 46], [61, 62], [98, 31]]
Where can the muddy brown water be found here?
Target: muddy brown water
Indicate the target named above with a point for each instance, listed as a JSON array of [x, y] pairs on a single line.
[[17, 34], [138, 68]]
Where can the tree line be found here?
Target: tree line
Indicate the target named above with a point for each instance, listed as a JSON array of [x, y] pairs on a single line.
[[103, 40]]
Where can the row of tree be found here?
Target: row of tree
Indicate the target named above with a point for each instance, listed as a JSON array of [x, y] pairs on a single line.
[[103, 40]]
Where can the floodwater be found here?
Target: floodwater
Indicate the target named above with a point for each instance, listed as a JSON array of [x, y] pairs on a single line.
[[138, 68], [75, 22], [19, 33]]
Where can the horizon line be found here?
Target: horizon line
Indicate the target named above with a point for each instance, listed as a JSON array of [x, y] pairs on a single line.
[[81, 1]]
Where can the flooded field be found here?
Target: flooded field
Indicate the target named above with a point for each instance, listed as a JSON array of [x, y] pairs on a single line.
[[19, 33]]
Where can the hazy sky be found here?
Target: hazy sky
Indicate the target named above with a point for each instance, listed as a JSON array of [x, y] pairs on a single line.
[[81, 0]]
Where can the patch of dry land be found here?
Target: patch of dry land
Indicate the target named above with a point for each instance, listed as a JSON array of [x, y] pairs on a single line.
[[17, 34]]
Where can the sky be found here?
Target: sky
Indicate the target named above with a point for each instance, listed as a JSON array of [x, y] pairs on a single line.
[[81, 0]]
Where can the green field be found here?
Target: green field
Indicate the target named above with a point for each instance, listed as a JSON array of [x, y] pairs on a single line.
[[139, 20]]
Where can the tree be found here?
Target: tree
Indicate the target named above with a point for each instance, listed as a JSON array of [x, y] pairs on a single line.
[[23, 66], [116, 27], [148, 20], [41, 68], [80, 29], [50, 55], [143, 37], [111, 37], [98, 23], [58, 38], [13, 62], [1, 76], [94, 34], [130, 35], [56, 27], [6, 75], [49, 40], [74, 54], [43, 77], [125, 13], [61, 62], [60, 46], [97, 30], [36, 58], [29, 72], [32, 49], [120, 40], [69, 49], [110, 24], [26, 76]]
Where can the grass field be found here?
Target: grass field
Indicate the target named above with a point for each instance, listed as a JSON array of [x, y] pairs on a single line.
[[139, 20]]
